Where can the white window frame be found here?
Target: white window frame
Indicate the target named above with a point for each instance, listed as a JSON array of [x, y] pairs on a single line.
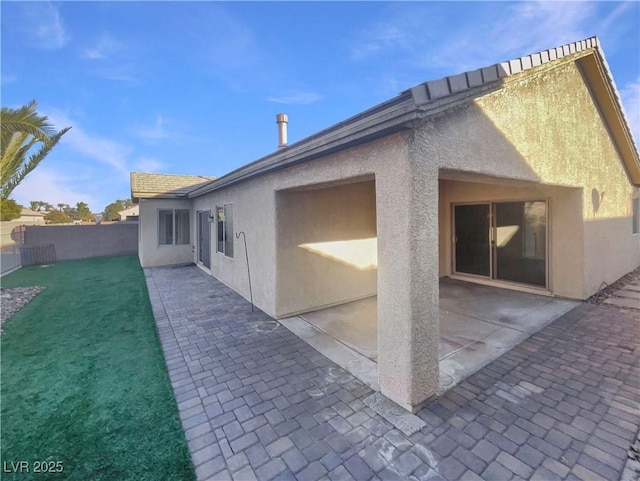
[[222, 223], [175, 231]]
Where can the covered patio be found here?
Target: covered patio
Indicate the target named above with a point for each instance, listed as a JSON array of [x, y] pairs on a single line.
[[478, 324]]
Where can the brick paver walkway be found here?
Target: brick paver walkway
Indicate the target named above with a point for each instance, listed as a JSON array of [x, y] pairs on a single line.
[[258, 402]]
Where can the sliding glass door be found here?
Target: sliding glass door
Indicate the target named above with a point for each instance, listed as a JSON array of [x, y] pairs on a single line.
[[521, 242], [502, 240], [472, 231]]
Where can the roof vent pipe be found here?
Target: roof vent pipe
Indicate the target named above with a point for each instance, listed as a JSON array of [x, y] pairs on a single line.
[[282, 120]]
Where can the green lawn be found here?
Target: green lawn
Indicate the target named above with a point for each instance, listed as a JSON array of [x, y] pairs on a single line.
[[83, 378]]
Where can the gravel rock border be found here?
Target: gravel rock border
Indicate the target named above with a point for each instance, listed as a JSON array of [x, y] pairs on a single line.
[[14, 299]]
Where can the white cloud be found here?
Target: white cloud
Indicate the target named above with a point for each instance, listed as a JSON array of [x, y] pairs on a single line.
[[44, 25], [104, 48], [419, 36], [630, 94], [166, 130], [154, 132], [146, 164], [112, 59], [49, 185], [107, 151], [298, 98], [7, 79]]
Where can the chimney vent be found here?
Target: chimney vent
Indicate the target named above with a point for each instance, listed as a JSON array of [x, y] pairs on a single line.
[[282, 120]]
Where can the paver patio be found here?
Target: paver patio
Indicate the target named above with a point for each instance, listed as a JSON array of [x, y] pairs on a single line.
[[258, 402]]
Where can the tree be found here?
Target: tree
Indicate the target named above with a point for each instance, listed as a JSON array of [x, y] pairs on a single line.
[[57, 217], [83, 212], [10, 210], [26, 139], [111, 211]]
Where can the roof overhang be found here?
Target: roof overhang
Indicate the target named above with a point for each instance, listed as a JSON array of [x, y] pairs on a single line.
[[136, 196], [388, 118]]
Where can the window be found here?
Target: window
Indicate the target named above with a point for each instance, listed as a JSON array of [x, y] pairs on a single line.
[[635, 211], [224, 223], [173, 227]]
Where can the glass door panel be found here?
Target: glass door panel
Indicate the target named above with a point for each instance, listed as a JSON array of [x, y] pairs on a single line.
[[472, 247], [521, 242]]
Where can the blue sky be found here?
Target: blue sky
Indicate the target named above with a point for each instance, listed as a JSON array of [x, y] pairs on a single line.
[[193, 87]]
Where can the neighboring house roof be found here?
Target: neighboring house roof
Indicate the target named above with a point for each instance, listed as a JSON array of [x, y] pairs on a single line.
[[32, 213], [131, 211], [436, 96], [146, 186]]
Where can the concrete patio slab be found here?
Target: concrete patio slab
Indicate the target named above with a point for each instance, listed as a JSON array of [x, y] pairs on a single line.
[[355, 324], [478, 324]]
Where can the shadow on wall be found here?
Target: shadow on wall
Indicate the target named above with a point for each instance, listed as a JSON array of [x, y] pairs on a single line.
[[596, 200], [326, 246]]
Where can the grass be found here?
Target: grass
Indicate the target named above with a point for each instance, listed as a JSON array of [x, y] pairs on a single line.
[[84, 381]]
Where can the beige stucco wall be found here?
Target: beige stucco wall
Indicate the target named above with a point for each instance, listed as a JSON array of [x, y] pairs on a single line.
[[255, 213], [545, 128], [327, 249], [150, 253], [408, 353]]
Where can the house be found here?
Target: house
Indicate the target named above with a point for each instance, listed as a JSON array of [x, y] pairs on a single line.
[[522, 175], [29, 216], [130, 214], [162, 201]]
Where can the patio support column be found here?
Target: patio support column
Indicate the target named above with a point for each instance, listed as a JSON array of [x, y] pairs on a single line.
[[408, 331]]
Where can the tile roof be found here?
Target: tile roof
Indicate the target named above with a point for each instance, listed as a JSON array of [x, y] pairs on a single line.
[[434, 89], [145, 185], [31, 212]]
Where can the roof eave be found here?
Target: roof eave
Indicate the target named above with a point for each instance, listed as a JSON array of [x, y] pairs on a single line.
[[378, 122], [600, 82]]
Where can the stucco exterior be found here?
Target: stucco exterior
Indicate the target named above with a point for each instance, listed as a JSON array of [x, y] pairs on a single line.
[[365, 207], [327, 246], [545, 129], [150, 252]]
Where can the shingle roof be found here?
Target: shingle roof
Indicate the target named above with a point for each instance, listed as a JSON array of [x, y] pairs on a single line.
[[144, 186]]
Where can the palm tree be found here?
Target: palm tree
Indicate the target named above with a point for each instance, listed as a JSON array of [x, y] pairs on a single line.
[[23, 130]]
